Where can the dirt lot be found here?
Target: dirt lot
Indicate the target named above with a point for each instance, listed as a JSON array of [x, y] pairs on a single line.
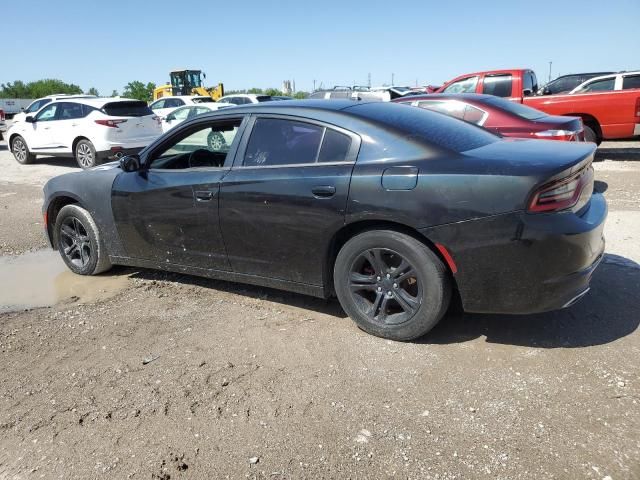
[[150, 375]]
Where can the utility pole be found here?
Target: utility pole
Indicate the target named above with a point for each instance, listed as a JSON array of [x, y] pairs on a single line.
[[314, 85], [369, 80], [392, 75], [550, 63]]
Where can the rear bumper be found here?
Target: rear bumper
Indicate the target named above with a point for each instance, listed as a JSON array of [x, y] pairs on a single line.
[[521, 263], [636, 129]]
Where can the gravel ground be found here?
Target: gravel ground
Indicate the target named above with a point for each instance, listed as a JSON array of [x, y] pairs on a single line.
[[170, 376]]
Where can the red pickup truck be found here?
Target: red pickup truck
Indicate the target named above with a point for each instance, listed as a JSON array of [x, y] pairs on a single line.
[[606, 115]]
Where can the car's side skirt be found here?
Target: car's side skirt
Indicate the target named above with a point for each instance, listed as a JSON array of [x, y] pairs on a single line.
[[303, 288]]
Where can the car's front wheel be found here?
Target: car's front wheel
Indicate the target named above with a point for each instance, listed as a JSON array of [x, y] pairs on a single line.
[[391, 284], [79, 242], [85, 154], [21, 151]]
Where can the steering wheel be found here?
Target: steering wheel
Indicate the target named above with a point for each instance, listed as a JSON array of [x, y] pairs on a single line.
[[200, 158]]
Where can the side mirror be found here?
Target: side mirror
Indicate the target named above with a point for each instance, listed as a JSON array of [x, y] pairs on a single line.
[[30, 119], [546, 91], [130, 163], [169, 118], [527, 92]]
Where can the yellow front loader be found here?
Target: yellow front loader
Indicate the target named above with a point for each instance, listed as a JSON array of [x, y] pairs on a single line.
[[187, 82]]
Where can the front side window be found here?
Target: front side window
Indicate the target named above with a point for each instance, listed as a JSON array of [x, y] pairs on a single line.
[[631, 81], [466, 85], [498, 85], [37, 105], [603, 85], [48, 113], [204, 146], [276, 141]]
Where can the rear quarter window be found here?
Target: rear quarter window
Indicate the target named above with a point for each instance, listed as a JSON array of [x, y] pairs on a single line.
[[426, 126], [632, 81], [127, 109]]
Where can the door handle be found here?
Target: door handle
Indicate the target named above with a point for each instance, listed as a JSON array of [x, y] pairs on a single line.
[[204, 195], [323, 191]]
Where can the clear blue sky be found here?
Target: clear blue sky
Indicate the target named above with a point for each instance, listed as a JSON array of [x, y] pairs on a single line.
[[244, 43]]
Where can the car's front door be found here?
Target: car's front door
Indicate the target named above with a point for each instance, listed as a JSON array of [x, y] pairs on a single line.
[[39, 134], [285, 197], [167, 213], [65, 129]]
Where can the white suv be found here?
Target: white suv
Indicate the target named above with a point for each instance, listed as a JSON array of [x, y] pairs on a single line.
[[41, 102], [245, 98], [164, 106], [91, 130]]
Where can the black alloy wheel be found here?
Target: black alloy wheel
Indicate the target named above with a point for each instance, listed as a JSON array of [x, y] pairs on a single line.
[[75, 242], [385, 286]]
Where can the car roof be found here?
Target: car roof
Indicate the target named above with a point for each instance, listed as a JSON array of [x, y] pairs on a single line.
[[97, 102], [315, 104]]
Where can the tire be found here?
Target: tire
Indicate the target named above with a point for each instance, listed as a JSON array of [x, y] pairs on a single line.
[[216, 142], [392, 285], [85, 154], [74, 226], [590, 135], [21, 151]]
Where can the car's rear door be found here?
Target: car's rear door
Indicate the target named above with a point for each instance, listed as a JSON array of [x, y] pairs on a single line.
[[285, 196], [167, 214]]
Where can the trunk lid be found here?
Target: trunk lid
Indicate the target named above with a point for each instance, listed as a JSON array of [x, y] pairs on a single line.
[[136, 121]]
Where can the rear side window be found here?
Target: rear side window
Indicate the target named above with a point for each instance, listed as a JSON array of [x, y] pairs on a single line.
[[335, 147], [263, 98], [632, 81], [127, 109], [69, 111], [276, 141], [498, 85]]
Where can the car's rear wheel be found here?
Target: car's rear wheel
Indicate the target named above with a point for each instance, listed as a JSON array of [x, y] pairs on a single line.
[[85, 154], [590, 135], [21, 151], [391, 284], [79, 242]]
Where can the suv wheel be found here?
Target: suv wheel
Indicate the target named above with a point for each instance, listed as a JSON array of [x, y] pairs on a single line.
[[21, 151], [391, 284], [85, 154]]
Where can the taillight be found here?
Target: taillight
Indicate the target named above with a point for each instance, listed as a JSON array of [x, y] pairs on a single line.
[[2, 115], [566, 135], [560, 194], [111, 123]]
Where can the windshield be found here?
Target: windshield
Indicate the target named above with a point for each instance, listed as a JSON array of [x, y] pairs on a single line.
[[517, 109]]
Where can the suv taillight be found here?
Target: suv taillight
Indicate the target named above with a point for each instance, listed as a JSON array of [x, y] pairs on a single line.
[[110, 123], [560, 194]]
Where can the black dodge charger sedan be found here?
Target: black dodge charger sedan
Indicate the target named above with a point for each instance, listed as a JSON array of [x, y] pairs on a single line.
[[392, 209]]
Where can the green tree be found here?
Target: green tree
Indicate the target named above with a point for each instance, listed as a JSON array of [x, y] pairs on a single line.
[[257, 91], [274, 92], [301, 95], [37, 89], [93, 91], [139, 90], [115, 93]]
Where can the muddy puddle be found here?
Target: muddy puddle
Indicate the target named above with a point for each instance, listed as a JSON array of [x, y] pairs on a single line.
[[41, 279]]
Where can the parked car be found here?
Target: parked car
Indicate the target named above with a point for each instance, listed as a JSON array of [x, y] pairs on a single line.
[[506, 118], [164, 106], [3, 124], [566, 83], [614, 81], [605, 115], [181, 114], [246, 98], [89, 129], [41, 102], [389, 207]]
